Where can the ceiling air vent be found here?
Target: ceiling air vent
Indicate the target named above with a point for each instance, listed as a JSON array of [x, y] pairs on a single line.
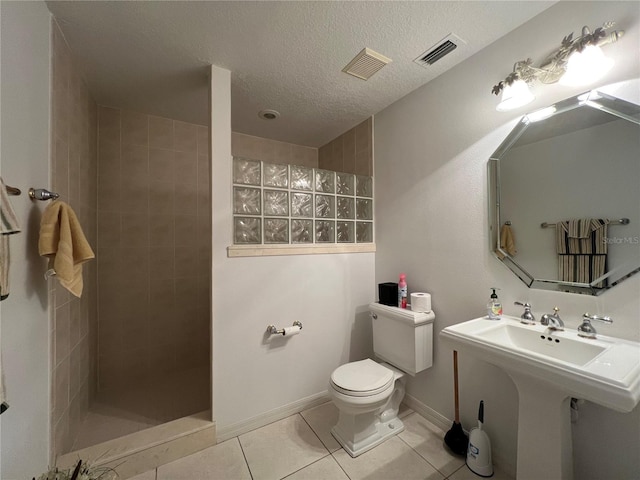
[[365, 64], [442, 48]]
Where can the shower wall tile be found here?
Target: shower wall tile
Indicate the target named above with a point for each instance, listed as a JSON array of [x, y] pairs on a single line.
[[160, 132], [273, 151], [351, 152], [135, 129], [154, 250], [185, 137]]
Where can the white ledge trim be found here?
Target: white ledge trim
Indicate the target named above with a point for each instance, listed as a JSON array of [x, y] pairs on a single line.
[[273, 250]]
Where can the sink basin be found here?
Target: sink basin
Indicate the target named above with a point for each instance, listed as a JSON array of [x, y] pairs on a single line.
[[549, 367], [605, 370]]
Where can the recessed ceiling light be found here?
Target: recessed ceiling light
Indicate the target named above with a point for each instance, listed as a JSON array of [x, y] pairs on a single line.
[[268, 114]]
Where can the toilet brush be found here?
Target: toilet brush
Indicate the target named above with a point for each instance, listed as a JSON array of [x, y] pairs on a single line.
[[455, 438]]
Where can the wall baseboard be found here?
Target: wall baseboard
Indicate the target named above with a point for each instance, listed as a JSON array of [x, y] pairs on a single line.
[[229, 431], [445, 424], [427, 412]]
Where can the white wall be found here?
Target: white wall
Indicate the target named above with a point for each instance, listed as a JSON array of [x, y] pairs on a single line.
[[24, 149], [431, 212], [253, 373]]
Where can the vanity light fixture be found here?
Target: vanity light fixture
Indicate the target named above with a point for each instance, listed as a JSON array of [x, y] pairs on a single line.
[[578, 61]]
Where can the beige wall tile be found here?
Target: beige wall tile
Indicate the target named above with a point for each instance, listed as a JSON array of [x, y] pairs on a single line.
[[74, 323], [135, 229], [185, 137], [246, 146], [135, 161], [161, 197], [186, 263], [161, 231], [349, 151], [160, 132], [203, 140], [61, 389], [109, 230], [161, 165], [185, 230], [62, 322], [185, 168], [109, 123], [135, 128], [186, 199], [306, 156], [364, 162]]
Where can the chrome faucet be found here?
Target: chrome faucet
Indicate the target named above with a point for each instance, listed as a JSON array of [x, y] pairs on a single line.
[[553, 321], [586, 330], [527, 317]]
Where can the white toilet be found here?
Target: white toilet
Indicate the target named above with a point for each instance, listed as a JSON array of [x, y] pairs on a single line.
[[368, 394]]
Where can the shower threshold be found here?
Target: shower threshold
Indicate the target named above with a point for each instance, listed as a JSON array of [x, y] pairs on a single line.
[[138, 452]]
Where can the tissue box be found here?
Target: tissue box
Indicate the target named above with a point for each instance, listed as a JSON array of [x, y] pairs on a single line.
[[388, 294]]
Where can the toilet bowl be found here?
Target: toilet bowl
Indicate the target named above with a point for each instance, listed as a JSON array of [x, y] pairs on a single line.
[[368, 394]]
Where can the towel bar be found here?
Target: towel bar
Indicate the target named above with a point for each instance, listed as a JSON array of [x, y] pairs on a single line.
[[13, 190], [622, 221], [42, 194]]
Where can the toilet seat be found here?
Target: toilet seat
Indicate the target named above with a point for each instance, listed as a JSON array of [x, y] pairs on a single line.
[[364, 378]]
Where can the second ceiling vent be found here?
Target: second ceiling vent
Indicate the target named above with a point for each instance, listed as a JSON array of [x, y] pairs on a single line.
[[365, 64], [439, 50]]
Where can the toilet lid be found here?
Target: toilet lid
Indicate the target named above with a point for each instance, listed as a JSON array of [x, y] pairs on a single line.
[[361, 377]]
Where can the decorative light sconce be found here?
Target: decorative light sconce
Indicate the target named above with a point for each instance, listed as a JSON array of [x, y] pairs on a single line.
[[578, 61]]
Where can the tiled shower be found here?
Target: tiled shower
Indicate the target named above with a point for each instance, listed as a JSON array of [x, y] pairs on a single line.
[[133, 351]]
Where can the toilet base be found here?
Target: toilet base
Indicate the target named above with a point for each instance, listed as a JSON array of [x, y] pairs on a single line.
[[377, 434]]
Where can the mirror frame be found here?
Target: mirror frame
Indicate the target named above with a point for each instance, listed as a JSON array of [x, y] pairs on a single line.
[[585, 100]]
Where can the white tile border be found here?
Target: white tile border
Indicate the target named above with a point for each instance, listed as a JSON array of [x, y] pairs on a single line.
[[235, 429], [316, 249]]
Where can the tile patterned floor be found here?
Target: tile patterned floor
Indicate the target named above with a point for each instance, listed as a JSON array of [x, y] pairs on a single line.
[[301, 447]]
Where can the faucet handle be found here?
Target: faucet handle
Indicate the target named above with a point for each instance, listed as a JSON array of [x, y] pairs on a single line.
[[527, 317], [606, 319], [586, 330]]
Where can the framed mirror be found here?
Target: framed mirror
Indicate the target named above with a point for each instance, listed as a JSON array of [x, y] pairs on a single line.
[[564, 195]]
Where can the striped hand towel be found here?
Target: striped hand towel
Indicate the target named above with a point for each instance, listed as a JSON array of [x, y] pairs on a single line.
[[62, 240]]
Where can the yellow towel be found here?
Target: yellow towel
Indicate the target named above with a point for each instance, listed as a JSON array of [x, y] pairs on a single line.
[[62, 240], [507, 242]]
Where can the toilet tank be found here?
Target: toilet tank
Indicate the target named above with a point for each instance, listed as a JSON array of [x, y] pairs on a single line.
[[402, 337]]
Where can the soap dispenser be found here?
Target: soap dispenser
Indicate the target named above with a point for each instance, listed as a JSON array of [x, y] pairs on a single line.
[[494, 307]]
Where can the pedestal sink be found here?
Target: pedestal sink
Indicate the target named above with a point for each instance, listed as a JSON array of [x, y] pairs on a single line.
[[548, 368]]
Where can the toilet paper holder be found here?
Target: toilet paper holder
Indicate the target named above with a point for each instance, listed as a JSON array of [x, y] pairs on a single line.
[[272, 330]]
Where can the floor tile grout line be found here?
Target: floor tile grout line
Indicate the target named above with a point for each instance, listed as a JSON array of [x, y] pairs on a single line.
[[315, 433], [244, 456], [328, 450], [308, 465], [339, 464], [422, 456]]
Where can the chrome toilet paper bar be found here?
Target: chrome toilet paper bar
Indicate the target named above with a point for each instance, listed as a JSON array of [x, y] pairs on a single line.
[[272, 330]]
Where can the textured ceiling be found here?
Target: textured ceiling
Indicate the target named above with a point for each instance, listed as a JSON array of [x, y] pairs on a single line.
[[288, 56]]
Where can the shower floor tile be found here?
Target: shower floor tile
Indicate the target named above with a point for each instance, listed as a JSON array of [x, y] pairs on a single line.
[[118, 413]]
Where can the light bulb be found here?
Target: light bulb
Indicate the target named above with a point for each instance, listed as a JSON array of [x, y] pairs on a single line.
[[515, 95], [586, 67]]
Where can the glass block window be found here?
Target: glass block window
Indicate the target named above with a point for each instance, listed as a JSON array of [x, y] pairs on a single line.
[[291, 204]]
